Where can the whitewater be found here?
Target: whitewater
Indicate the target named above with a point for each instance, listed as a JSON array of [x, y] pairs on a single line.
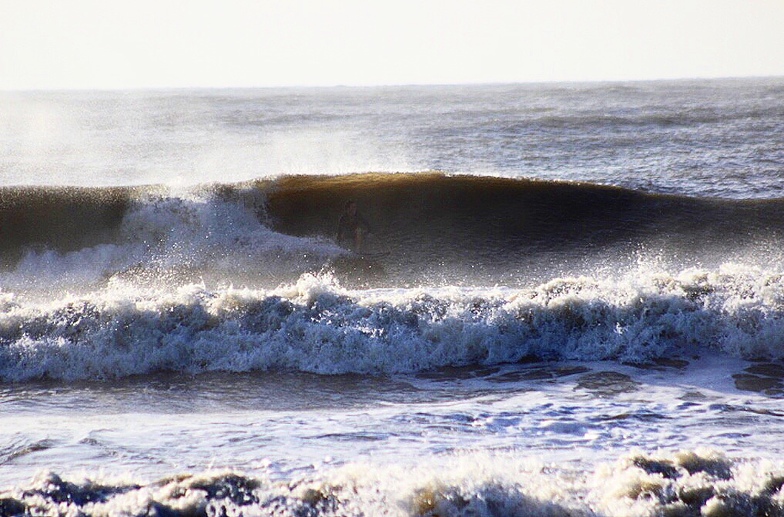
[[570, 301]]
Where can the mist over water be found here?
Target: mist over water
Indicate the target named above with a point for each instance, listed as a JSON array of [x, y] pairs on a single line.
[[578, 314], [671, 137]]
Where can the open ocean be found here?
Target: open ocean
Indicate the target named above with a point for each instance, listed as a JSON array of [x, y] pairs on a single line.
[[571, 302]]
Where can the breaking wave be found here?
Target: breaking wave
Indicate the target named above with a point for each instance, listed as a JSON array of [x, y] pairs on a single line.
[[315, 325]]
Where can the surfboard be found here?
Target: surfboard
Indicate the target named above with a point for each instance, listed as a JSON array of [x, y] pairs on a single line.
[[370, 255]]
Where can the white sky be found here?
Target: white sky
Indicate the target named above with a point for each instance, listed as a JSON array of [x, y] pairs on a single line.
[[165, 43]]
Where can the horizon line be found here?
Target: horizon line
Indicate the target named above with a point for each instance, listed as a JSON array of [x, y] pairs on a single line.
[[292, 86]]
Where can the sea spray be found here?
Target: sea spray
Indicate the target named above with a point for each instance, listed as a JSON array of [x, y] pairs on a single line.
[[315, 325]]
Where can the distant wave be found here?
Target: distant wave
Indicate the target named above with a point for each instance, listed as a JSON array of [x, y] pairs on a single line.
[[316, 326]]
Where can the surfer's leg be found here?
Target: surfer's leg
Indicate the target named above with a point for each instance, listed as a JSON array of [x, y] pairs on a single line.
[[358, 240]]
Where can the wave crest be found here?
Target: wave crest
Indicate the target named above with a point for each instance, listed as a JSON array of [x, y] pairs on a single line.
[[315, 325]]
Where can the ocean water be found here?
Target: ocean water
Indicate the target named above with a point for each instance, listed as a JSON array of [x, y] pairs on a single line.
[[571, 301]]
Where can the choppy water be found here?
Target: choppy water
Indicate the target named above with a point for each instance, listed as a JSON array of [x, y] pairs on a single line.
[[580, 314]]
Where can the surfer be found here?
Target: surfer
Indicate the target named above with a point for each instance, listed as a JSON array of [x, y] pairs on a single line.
[[352, 228]]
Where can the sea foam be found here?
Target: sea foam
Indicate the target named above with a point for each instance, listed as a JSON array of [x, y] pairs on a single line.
[[700, 482], [315, 325]]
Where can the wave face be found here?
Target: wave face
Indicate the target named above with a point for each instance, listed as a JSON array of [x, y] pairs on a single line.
[[246, 277], [501, 226], [66, 219], [427, 227]]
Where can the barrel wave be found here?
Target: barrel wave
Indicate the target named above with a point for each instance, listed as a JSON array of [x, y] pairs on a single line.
[[433, 227]]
